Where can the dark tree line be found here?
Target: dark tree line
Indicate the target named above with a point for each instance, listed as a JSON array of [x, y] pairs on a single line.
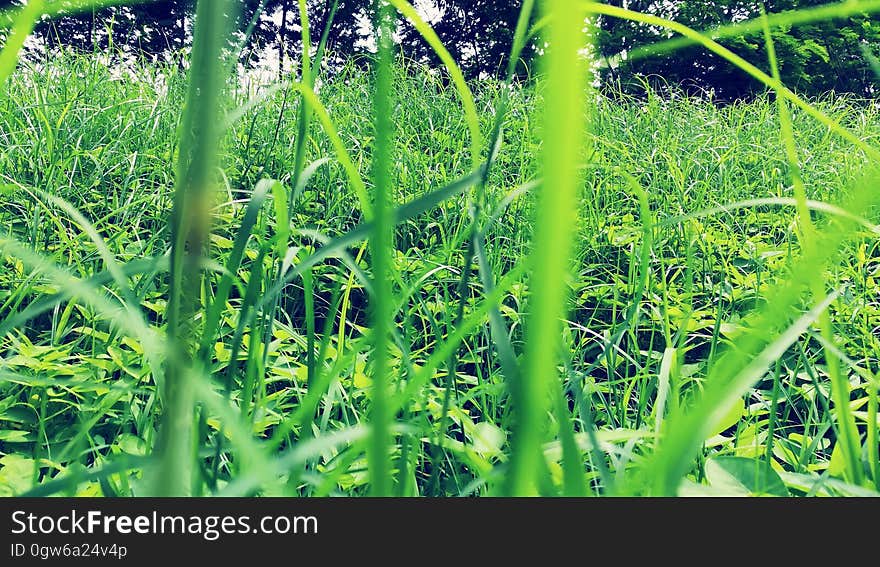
[[813, 58], [478, 33]]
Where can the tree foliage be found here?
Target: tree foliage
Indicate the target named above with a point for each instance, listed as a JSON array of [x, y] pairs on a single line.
[[813, 58]]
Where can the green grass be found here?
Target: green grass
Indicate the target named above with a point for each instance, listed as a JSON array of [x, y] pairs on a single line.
[[629, 295]]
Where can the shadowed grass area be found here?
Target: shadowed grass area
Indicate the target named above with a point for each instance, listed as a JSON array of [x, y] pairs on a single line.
[[412, 285]]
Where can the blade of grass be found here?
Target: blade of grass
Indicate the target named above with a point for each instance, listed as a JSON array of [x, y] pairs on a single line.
[[715, 401], [846, 423], [566, 93], [378, 457], [243, 235], [24, 22], [199, 139]]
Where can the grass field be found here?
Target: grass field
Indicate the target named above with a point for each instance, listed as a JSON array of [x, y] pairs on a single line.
[[648, 295]]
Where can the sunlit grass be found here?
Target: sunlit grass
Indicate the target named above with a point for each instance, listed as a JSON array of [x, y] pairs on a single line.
[[396, 282]]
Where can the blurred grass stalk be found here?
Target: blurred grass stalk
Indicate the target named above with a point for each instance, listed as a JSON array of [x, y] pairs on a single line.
[[564, 126], [22, 25], [847, 431], [378, 456], [190, 225]]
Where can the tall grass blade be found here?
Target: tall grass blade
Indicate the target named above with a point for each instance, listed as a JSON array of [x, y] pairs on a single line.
[[566, 94], [378, 456], [846, 424], [24, 22], [199, 139]]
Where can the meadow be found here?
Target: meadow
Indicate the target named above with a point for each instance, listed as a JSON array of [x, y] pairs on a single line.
[[390, 281]]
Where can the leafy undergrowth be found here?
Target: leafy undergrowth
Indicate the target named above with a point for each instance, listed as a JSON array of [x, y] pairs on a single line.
[[684, 226]]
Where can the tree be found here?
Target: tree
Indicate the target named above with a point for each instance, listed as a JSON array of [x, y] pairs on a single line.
[[279, 30], [478, 33], [812, 58], [155, 27]]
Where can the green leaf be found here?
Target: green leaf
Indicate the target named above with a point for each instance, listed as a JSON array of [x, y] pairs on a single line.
[[811, 46], [730, 418], [131, 444], [488, 439], [825, 486], [837, 463], [739, 476], [16, 474], [14, 436]]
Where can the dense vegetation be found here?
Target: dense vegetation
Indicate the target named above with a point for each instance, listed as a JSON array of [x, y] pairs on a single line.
[[814, 57], [684, 301]]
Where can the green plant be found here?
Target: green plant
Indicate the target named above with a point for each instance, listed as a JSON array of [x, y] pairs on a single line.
[[393, 281]]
